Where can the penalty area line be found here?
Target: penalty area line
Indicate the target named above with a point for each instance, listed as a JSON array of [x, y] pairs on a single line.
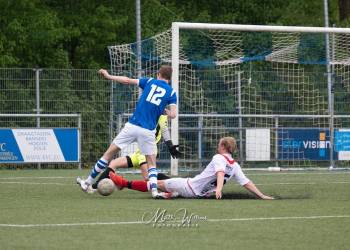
[[142, 222]]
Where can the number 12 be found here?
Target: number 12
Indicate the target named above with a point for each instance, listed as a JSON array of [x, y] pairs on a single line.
[[155, 94]]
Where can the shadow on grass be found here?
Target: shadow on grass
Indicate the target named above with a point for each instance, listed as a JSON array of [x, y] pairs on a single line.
[[293, 196], [248, 196], [235, 196], [226, 196]]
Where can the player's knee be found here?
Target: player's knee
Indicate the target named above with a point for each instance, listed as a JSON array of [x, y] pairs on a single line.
[[111, 152]]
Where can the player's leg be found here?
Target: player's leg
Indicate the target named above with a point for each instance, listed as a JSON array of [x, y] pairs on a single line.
[[124, 138], [144, 171], [140, 185], [139, 161], [121, 182], [99, 166], [142, 163], [152, 174], [102, 163], [147, 145], [120, 162], [176, 187]]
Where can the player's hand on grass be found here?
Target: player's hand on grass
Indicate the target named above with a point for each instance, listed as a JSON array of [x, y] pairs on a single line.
[[218, 195], [266, 197]]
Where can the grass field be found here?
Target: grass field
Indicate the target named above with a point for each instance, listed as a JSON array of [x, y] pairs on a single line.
[[45, 210]]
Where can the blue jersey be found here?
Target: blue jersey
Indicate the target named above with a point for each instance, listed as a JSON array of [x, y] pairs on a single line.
[[156, 95]]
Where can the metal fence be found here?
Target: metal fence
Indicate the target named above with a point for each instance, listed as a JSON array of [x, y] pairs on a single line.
[[104, 107], [59, 91]]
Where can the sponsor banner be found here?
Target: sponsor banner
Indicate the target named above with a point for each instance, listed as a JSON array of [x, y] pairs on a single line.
[[304, 144], [342, 143], [39, 145], [257, 144]]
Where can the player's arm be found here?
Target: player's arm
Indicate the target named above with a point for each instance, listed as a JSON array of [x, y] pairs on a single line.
[[175, 153], [120, 79], [171, 111], [219, 184], [252, 188], [248, 184]]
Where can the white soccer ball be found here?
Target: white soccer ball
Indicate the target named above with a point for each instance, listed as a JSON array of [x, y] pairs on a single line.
[[105, 187]]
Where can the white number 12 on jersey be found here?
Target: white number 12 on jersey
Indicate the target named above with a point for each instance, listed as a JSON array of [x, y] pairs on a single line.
[[155, 94]]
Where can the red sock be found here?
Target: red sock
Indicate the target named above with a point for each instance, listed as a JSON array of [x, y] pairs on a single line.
[[118, 180], [139, 185]]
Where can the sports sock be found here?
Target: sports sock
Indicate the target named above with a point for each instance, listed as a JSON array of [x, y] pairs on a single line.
[[152, 177], [105, 174], [118, 180], [100, 165], [138, 185]]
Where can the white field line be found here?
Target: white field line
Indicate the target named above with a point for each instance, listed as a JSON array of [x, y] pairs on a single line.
[[141, 222], [36, 183], [42, 177]]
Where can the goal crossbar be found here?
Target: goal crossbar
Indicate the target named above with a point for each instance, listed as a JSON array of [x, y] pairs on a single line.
[[262, 28]]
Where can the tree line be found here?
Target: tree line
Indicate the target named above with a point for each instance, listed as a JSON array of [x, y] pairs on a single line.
[[75, 34]]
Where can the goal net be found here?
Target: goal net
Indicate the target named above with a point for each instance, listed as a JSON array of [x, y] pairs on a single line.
[[268, 86]]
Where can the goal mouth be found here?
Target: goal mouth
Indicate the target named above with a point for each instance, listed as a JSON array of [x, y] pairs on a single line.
[[236, 79]]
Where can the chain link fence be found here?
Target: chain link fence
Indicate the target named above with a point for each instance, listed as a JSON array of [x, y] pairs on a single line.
[[59, 91]]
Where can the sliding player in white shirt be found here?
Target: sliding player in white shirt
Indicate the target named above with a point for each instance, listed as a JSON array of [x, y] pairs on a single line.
[[211, 180]]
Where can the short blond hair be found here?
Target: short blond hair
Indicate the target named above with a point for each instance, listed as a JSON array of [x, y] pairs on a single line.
[[229, 143]]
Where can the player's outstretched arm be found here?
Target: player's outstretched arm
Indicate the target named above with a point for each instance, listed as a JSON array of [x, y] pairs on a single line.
[[219, 184], [120, 79], [252, 188]]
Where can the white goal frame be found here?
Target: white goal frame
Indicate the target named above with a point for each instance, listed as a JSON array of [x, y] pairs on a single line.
[[177, 26]]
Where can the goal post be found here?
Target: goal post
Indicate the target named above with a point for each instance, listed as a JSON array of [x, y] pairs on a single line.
[[175, 40], [267, 86]]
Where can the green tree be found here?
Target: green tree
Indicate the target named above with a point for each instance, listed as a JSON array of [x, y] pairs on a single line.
[[31, 35]]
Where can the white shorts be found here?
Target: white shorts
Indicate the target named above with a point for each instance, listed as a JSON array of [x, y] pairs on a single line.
[[179, 185], [145, 138]]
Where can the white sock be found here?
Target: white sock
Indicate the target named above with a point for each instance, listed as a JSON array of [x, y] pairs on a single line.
[[100, 165], [152, 177]]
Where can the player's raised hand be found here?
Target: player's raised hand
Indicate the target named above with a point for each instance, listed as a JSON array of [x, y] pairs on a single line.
[[175, 153], [104, 73]]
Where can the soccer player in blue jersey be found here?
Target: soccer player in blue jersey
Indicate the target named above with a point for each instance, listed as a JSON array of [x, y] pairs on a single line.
[[157, 98]]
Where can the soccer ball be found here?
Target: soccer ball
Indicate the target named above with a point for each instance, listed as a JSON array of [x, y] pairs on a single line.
[[105, 187]]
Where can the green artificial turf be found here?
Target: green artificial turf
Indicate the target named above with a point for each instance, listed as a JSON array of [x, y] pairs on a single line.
[[44, 209]]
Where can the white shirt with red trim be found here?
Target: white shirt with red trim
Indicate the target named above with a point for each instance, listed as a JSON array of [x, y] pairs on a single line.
[[204, 183]]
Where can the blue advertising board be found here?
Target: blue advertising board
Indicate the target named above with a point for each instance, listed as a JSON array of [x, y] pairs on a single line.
[[39, 145], [342, 143], [301, 144]]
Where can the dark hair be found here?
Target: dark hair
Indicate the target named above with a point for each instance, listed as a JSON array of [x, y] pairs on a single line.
[[165, 72]]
